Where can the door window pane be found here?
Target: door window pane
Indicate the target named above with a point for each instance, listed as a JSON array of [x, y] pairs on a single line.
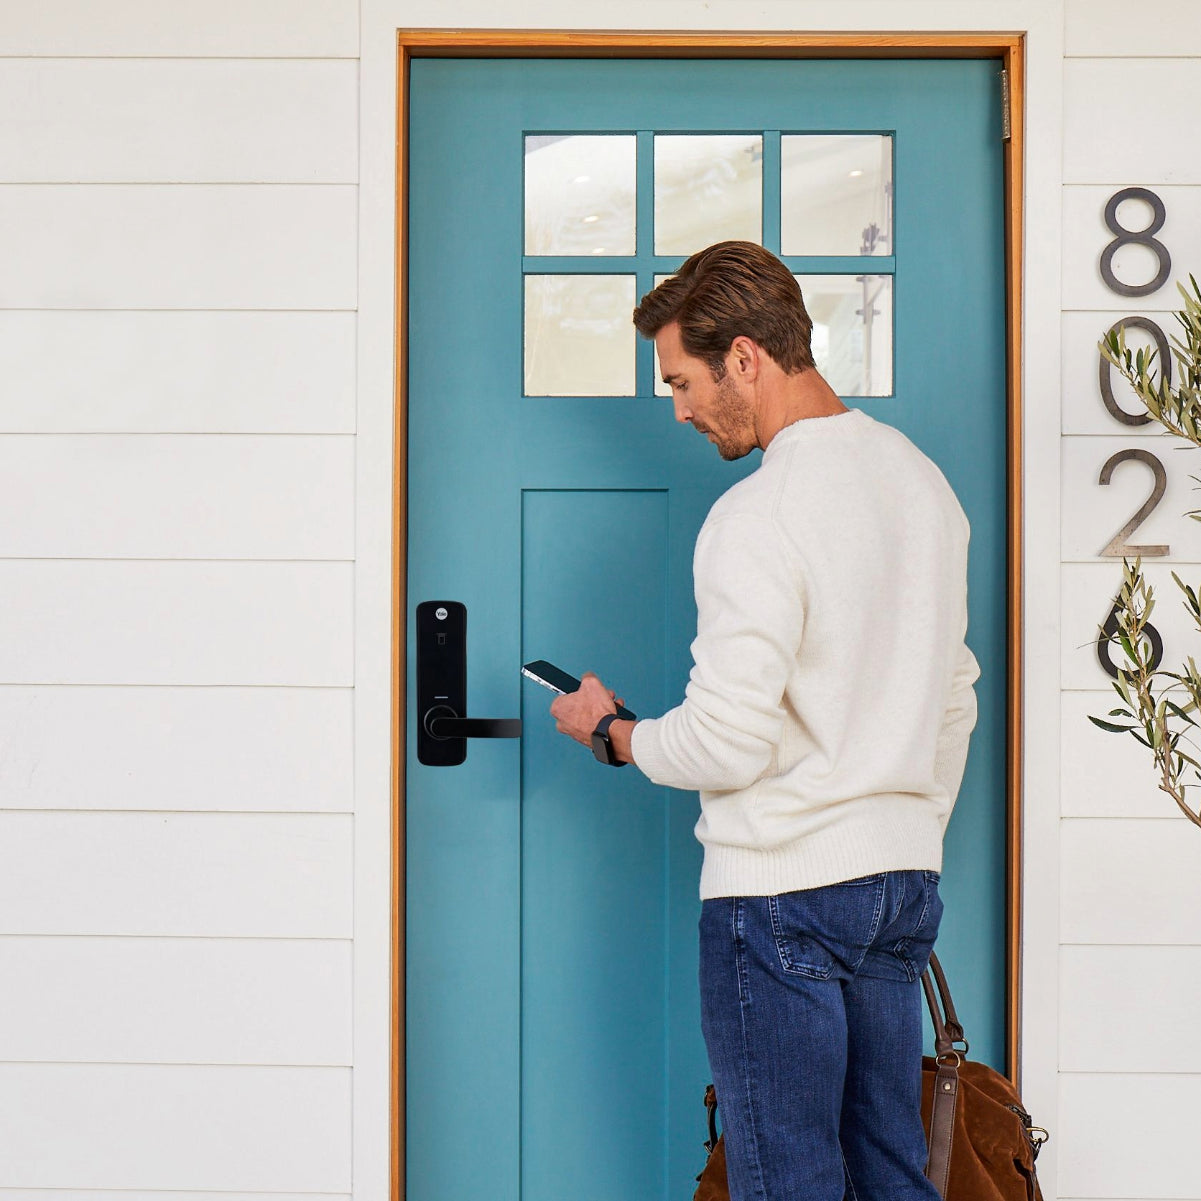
[[852, 331], [579, 339], [579, 194], [708, 187], [836, 194]]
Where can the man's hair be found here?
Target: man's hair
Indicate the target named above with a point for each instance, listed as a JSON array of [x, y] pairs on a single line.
[[728, 290]]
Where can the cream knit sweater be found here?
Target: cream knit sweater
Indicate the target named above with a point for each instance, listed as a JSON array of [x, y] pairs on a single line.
[[827, 715]]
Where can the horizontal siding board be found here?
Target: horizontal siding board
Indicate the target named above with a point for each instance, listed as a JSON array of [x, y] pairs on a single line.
[[1092, 513], [128, 1126], [1128, 1136], [177, 496], [173, 874], [181, 28], [152, 372], [1113, 29], [178, 246], [190, 1000], [1130, 1009], [281, 749], [78, 621], [1127, 880], [1085, 237], [1127, 121], [1103, 774], [62, 1194], [205, 121]]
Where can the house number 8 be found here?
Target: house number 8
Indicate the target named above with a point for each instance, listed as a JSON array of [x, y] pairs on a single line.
[[1143, 237]]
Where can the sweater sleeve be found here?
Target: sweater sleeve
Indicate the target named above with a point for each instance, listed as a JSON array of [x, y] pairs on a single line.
[[950, 756], [750, 598]]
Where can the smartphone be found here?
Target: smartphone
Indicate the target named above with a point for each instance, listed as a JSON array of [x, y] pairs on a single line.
[[557, 680]]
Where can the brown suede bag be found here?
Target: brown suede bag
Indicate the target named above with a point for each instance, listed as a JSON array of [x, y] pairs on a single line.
[[982, 1143]]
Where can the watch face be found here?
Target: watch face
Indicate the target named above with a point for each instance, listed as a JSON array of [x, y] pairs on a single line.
[[601, 747]]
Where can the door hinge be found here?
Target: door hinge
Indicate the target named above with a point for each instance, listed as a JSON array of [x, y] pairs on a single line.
[[1005, 119]]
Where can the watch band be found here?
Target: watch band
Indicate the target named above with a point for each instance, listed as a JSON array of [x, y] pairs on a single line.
[[602, 745]]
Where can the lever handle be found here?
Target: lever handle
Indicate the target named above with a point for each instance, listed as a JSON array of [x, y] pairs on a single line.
[[442, 730], [442, 722]]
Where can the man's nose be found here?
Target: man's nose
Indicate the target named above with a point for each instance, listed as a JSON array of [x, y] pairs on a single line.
[[683, 413]]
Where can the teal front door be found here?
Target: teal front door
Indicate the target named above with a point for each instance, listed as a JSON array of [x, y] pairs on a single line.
[[553, 1045]]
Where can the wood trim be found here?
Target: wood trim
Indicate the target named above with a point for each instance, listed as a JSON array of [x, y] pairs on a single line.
[[1010, 48], [550, 43], [1014, 62], [400, 538]]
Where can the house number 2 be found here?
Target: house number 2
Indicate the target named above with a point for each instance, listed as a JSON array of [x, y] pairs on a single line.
[[1118, 546]]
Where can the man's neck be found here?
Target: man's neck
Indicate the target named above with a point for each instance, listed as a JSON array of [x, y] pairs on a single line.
[[790, 398]]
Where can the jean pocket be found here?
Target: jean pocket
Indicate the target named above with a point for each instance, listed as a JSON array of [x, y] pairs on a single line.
[[914, 948], [819, 932]]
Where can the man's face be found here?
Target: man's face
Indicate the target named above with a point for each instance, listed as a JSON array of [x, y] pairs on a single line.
[[719, 409]]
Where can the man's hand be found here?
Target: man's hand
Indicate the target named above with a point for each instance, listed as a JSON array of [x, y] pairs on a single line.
[[577, 713]]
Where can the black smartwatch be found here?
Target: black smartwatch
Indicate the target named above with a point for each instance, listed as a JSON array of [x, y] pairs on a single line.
[[602, 745]]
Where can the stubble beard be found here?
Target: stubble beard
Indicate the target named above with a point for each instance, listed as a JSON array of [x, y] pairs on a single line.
[[737, 420]]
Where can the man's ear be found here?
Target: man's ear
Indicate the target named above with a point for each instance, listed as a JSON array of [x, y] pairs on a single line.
[[743, 359]]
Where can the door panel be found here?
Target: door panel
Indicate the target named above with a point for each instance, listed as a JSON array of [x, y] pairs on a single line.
[[553, 1031]]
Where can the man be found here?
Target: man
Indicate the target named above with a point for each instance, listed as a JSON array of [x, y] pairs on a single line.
[[825, 724]]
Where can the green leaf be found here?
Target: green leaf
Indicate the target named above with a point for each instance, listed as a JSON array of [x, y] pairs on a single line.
[[1110, 727], [1127, 646]]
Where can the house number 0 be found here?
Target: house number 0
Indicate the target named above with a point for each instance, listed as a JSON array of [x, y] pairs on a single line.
[[1117, 545]]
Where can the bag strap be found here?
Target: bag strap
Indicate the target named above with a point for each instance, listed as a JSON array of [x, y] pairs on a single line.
[[951, 1025], [947, 1032], [711, 1106]]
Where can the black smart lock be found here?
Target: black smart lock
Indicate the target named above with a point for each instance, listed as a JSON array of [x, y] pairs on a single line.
[[443, 726]]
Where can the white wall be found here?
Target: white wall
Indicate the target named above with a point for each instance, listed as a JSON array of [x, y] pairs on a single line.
[[1130, 926], [195, 461], [178, 234]]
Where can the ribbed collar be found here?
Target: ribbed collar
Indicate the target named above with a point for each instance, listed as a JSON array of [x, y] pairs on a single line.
[[815, 427]]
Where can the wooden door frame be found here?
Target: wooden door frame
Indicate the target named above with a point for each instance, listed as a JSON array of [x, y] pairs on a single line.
[[1010, 48]]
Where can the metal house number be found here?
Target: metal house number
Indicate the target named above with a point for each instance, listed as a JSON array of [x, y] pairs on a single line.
[[1118, 545]]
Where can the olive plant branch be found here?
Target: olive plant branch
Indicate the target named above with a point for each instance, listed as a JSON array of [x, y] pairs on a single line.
[[1178, 410], [1151, 713]]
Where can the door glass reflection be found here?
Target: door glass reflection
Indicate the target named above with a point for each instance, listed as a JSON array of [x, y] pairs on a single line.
[[579, 340], [708, 187], [579, 194], [852, 331], [836, 194]]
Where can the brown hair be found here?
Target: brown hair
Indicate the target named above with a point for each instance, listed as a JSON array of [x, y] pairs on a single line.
[[728, 290]]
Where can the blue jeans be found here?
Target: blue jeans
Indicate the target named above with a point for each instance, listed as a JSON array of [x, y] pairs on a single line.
[[811, 1011]]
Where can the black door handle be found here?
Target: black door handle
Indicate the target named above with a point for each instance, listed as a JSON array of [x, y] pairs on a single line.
[[443, 722], [442, 728]]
